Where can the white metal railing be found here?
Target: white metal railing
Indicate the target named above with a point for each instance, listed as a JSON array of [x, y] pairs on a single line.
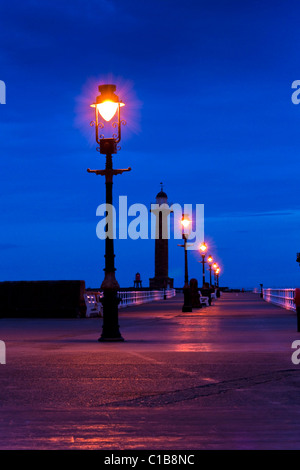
[[170, 293], [92, 298], [141, 297], [282, 297]]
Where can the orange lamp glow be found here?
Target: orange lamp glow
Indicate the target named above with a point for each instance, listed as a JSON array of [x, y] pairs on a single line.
[[203, 248], [107, 102], [210, 259], [107, 110], [185, 223], [215, 266]]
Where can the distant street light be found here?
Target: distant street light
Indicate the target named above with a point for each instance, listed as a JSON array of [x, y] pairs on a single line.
[[209, 261], [186, 231], [215, 267], [107, 105], [217, 275], [203, 250]]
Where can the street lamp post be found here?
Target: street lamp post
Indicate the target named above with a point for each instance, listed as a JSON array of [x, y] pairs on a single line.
[[209, 261], [217, 276], [215, 267], [203, 249], [186, 230], [107, 105]]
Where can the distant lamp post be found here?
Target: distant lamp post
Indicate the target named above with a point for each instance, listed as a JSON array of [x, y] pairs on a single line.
[[108, 105], [203, 250], [215, 267], [186, 231], [217, 276], [209, 262]]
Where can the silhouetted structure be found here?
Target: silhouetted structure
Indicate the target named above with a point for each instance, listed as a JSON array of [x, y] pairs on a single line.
[[161, 279], [195, 296], [261, 290], [137, 283], [42, 299]]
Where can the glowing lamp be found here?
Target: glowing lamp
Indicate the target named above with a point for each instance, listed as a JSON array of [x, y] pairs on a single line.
[[210, 259], [107, 103], [107, 106], [107, 109], [215, 266], [186, 225], [203, 248]]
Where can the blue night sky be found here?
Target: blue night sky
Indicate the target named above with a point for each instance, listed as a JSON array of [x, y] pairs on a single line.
[[207, 86]]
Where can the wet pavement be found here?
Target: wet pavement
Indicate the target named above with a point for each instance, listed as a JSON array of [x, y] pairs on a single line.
[[220, 377]]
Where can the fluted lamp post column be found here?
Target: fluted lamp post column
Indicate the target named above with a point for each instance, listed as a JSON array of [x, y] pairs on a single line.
[[107, 106]]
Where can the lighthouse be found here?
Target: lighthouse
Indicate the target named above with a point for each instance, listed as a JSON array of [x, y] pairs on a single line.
[[161, 279]]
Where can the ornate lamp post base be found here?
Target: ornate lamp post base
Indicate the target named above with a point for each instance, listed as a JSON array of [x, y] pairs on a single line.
[[110, 326], [103, 340]]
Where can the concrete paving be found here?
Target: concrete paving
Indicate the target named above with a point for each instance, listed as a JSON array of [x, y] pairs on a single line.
[[220, 377]]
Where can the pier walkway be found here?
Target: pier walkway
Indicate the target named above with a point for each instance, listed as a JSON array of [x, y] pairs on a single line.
[[220, 377]]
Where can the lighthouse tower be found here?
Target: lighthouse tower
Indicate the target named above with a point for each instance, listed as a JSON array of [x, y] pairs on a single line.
[[161, 279]]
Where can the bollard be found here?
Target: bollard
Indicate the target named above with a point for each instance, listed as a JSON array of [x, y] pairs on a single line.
[[194, 292], [297, 303], [261, 291]]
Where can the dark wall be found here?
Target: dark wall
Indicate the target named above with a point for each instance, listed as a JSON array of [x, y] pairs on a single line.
[[42, 299]]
